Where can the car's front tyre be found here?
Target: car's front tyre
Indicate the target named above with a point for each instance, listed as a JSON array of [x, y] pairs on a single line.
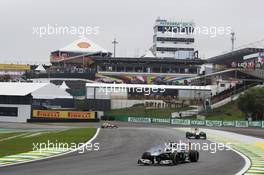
[[175, 158], [194, 156]]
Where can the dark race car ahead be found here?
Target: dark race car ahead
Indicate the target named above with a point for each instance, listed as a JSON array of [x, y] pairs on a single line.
[[108, 125], [196, 134], [173, 154]]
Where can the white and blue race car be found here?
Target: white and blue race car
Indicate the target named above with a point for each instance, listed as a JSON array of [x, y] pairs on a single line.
[[173, 154], [108, 125]]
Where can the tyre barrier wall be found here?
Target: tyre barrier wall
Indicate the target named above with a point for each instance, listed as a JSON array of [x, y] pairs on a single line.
[[210, 123]]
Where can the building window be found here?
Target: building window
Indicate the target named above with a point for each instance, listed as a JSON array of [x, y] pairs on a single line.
[[8, 111]]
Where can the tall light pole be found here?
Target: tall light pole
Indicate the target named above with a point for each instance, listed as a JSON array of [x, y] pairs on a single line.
[[233, 40], [115, 43]]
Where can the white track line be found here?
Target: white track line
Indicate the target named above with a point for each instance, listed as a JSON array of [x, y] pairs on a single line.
[[246, 159], [247, 163], [57, 155], [15, 136]]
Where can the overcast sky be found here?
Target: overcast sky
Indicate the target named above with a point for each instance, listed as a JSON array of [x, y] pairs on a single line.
[[130, 21]]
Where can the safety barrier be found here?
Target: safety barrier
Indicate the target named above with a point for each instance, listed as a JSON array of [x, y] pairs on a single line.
[[173, 121]]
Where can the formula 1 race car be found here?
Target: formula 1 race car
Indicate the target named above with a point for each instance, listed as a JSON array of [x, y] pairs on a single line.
[[195, 134], [172, 155], [108, 125]]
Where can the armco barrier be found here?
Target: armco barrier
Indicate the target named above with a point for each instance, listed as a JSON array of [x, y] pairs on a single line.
[[210, 123], [197, 122], [180, 122], [255, 124], [217, 123], [161, 120], [229, 123], [241, 124], [120, 118], [139, 119]]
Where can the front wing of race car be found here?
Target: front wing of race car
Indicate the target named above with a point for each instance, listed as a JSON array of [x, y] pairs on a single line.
[[144, 162], [149, 162]]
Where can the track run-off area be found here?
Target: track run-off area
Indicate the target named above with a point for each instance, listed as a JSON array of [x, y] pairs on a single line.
[[120, 149]]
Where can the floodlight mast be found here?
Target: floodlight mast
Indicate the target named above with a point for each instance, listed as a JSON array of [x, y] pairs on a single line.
[[115, 43], [233, 40]]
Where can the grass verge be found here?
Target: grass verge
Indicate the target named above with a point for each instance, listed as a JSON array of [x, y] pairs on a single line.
[[25, 143], [141, 111]]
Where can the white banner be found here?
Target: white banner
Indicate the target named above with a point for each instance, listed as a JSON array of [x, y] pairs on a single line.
[[139, 120]]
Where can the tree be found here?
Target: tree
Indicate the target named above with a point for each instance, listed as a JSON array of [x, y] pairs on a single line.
[[252, 103]]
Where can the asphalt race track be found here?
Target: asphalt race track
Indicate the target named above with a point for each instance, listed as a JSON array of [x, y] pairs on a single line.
[[119, 150]]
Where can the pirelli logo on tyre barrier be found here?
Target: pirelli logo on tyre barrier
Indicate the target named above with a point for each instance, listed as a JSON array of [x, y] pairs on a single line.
[[210, 123], [63, 114]]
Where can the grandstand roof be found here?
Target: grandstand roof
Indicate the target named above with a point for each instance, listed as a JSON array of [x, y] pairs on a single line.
[[37, 90], [40, 68], [149, 54], [19, 89], [83, 45], [236, 55], [64, 86], [50, 91]]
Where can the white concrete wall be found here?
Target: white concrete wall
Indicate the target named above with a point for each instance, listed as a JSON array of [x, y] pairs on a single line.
[[100, 114], [194, 94], [24, 113], [90, 93], [123, 103], [105, 93]]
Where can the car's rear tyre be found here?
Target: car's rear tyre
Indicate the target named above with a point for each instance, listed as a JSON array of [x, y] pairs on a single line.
[[146, 155], [187, 135], [194, 156]]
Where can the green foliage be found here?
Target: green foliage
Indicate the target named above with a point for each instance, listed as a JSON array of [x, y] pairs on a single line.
[[141, 111], [227, 112], [252, 103]]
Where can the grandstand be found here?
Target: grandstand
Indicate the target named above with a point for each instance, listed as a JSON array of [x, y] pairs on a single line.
[[84, 64], [84, 59]]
